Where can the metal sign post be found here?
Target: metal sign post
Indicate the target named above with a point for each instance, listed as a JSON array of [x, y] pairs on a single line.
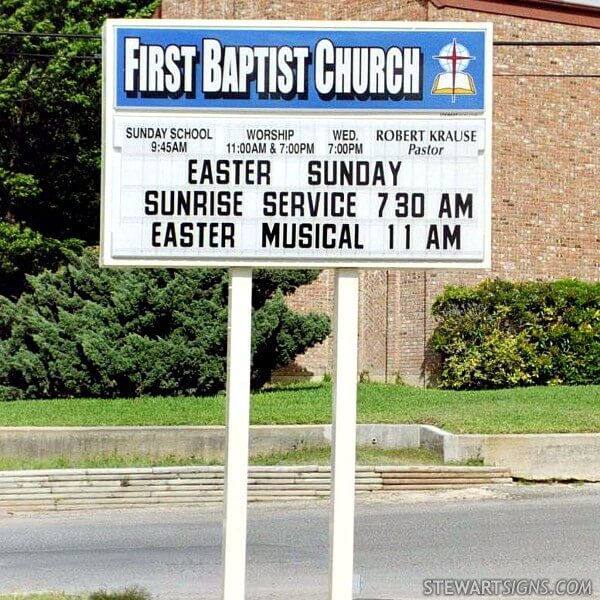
[[343, 444], [238, 430]]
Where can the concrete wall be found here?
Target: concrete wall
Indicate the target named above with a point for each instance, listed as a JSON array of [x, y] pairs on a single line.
[[70, 489], [434, 439], [533, 456], [529, 456], [389, 436], [207, 443]]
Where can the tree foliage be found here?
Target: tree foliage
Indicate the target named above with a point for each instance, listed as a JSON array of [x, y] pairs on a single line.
[[82, 331], [50, 113], [505, 334], [23, 250], [85, 331]]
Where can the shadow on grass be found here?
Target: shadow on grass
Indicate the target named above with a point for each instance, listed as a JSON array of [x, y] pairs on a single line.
[[291, 387], [133, 593]]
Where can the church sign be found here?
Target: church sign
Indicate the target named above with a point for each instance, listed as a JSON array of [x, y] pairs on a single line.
[[286, 144]]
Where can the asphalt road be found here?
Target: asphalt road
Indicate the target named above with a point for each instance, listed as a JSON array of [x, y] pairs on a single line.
[[535, 532]]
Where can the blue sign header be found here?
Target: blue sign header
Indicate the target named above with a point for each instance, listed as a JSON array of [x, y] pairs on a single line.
[[276, 68]]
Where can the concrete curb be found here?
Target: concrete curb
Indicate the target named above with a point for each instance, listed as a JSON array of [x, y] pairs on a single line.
[[71, 489]]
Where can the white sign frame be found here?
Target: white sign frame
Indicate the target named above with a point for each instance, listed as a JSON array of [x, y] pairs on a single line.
[[110, 158]]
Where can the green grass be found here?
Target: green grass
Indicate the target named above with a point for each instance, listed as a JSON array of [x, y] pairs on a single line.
[[98, 462], [364, 456], [305, 456], [525, 410]]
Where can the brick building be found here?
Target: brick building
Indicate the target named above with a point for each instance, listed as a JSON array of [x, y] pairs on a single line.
[[546, 159]]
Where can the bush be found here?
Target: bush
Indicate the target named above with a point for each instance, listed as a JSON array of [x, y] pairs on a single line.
[[24, 251], [85, 331], [503, 334]]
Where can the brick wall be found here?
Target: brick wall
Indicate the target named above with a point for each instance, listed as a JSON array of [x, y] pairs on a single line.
[[349, 10], [546, 148]]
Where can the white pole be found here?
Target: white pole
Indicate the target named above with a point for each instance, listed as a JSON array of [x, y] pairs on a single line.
[[343, 458], [237, 431]]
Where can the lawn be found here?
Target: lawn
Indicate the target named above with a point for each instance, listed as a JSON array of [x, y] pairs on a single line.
[[557, 409], [306, 456]]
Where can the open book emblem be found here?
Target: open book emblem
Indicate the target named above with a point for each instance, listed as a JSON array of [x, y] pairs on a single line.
[[454, 59]]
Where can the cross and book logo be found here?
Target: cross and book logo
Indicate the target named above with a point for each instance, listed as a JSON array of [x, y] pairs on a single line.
[[454, 59]]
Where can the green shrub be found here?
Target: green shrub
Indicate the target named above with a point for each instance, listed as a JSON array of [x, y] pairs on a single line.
[[85, 331], [24, 251], [503, 334]]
